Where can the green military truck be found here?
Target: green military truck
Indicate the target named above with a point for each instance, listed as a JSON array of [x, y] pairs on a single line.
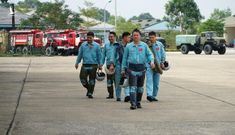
[[207, 41]]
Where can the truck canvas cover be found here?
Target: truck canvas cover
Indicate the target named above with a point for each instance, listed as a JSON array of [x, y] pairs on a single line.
[[182, 39]]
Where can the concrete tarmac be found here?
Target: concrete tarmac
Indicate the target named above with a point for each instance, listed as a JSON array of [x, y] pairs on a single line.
[[43, 96]]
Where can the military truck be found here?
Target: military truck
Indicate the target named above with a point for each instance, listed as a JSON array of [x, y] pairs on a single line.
[[160, 39], [207, 41]]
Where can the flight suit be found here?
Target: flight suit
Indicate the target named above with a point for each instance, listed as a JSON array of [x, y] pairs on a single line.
[[92, 58], [134, 60], [118, 55], [108, 51], [153, 78]]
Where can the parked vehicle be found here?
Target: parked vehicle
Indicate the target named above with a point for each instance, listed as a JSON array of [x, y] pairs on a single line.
[[75, 39], [23, 41], [160, 39], [55, 42], [232, 44], [163, 41], [207, 41], [51, 42]]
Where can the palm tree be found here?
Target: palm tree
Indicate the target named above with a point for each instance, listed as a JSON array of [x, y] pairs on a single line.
[[4, 1]]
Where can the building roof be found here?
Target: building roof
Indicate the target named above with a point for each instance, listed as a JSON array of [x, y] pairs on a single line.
[[102, 26], [6, 18], [162, 26], [88, 19], [230, 21], [145, 23]]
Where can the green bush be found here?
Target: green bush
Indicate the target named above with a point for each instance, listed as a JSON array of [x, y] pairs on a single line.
[[169, 36]]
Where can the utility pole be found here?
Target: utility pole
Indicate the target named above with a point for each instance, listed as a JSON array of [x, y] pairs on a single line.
[[115, 15], [105, 17], [12, 12]]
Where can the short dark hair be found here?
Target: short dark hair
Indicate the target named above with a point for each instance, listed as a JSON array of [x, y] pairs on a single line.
[[90, 33], [152, 33], [124, 34], [136, 30], [112, 32]]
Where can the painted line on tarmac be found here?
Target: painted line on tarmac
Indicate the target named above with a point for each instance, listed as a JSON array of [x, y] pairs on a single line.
[[11, 81], [39, 81], [11, 125], [214, 98]]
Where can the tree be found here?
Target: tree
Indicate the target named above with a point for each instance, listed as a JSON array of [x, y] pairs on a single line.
[[220, 15], [89, 12], [183, 13], [100, 14], [123, 25], [145, 16], [54, 15], [142, 16], [216, 21], [27, 5], [4, 3], [212, 25]]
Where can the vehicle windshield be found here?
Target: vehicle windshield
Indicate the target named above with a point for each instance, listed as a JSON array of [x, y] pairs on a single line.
[[83, 36], [53, 35], [211, 34]]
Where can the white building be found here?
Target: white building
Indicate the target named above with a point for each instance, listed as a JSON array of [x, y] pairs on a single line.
[[229, 28]]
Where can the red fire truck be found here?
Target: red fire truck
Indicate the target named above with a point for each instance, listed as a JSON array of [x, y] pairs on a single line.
[[56, 42], [23, 41], [76, 38], [51, 42]]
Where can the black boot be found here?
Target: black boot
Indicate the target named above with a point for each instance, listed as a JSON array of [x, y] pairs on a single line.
[[90, 91], [149, 98], [133, 100], [127, 99], [86, 86], [139, 97], [110, 91]]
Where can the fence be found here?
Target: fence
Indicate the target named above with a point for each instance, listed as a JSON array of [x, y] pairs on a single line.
[[3, 41]]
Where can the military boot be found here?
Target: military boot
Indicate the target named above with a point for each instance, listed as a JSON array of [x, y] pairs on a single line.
[[110, 91], [139, 97], [133, 100]]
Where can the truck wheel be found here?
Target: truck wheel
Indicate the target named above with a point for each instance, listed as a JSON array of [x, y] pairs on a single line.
[[75, 51], [69, 52], [66, 53], [198, 51], [222, 50], [60, 52], [184, 49], [18, 49], [43, 50], [49, 51], [208, 49], [12, 50], [25, 50]]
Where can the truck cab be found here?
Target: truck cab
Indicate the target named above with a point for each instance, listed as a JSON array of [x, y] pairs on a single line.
[[56, 42], [211, 41], [206, 41]]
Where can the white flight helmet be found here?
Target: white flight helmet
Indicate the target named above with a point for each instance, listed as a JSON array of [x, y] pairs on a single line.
[[166, 66], [100, 76]]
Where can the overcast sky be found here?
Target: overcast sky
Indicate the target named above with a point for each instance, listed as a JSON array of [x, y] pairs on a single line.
[[129, 8]]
